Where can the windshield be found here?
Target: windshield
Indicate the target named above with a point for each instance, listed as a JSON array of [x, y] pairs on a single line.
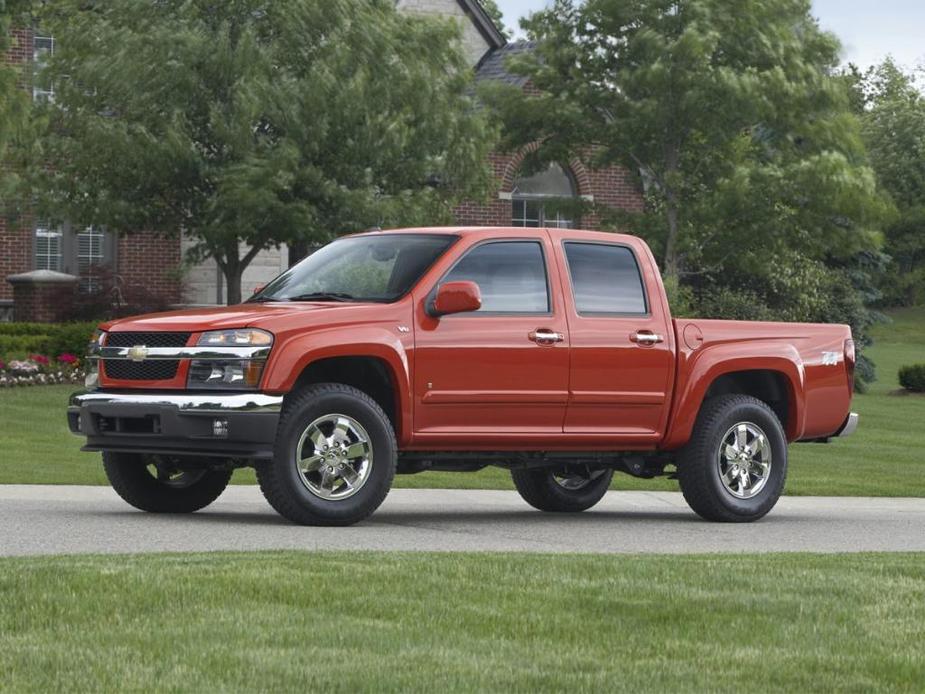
[[380, 267]]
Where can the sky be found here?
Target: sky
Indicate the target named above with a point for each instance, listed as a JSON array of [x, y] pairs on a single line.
[[869, 29]]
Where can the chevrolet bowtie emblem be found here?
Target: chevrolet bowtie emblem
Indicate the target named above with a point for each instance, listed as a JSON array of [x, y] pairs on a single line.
[[138, 353]]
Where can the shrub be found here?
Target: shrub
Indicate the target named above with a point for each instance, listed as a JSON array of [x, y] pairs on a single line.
[[21, 340], [912, 378]]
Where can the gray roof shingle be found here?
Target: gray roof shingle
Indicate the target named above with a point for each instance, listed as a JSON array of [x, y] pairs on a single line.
[[494, 66]]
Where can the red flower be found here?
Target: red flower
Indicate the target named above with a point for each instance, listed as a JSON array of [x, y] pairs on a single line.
[[2, 365], [39, 359], [67, 358]]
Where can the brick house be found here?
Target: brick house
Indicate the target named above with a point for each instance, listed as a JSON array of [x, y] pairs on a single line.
[[155, 261]]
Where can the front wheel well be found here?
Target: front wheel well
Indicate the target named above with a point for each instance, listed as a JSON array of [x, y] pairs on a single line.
[[368, 374], [771, 387]]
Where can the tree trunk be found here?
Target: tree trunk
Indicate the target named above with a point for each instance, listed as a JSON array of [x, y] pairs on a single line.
[[232, 283], [672, 166], [671, 244], [233, 268]]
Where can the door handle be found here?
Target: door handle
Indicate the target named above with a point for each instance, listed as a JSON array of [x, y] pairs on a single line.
[[646, 337], [543, 336]]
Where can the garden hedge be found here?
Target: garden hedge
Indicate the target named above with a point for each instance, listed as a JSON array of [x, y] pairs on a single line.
[[912, 378], [20, 340]]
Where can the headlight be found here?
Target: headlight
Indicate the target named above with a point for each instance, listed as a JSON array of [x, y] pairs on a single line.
[[235, 338], [230, 374], [233, 375]]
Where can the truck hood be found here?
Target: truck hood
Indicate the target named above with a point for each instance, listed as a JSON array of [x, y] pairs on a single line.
[[240, 316]]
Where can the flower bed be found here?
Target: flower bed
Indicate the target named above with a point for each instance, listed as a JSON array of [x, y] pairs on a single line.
[[40, 370]]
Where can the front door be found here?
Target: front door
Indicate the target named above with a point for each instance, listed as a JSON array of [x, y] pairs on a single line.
[[500, 374]]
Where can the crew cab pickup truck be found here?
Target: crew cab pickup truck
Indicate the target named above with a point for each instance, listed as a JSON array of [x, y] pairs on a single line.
[[549, 352]]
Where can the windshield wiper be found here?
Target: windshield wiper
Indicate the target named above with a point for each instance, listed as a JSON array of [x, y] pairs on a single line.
[[322, 296]]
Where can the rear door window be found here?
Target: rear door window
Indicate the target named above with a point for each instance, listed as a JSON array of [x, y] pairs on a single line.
[[605, 279]]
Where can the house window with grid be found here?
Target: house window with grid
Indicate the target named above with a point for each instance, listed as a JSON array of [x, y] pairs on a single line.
[[80, 251], [91, 256], [43, 47], [47, 247], [534, 197]]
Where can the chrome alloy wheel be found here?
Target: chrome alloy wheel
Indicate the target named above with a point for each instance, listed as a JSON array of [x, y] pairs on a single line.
[[573, 480], [334, 457], [744, 460]]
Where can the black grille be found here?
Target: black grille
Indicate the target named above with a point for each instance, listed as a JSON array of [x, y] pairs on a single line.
[[151, 370], [147, 339]]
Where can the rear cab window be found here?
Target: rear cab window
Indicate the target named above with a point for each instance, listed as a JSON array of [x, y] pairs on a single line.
[[606, 279]]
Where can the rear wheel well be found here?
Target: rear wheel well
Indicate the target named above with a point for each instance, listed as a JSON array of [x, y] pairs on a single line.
[[368, 374], [771, 387]]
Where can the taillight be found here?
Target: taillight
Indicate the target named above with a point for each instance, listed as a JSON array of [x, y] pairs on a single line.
[[851, 360]]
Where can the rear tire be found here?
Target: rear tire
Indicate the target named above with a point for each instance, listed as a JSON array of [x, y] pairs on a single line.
[[162, 484], [734, 467], [570, 489], [334, 458]]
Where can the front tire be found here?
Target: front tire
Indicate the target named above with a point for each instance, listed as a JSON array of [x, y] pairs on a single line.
[[163, 484], [734, 467], [569, 489], [334, 458]]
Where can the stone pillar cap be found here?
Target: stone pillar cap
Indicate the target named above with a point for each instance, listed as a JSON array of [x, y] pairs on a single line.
[[42, 277]]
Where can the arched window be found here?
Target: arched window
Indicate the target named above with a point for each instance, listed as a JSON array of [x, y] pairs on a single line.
[[533, 198]]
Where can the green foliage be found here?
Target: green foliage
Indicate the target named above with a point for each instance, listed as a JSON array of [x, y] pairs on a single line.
[[257, 122], [730, 114], [19, 340], [912, 378], [893, 115]]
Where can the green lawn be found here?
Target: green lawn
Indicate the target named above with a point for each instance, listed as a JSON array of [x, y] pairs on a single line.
[[884, 458], [463, 622]]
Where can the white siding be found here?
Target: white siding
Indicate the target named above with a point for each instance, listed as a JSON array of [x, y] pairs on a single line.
[[202, 280], [473, 43]]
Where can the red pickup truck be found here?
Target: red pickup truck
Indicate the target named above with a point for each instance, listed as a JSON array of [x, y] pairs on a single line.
[[549, 352]]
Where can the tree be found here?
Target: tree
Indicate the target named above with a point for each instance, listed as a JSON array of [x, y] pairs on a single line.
[[892, 112], [708, 100], [250, 123]]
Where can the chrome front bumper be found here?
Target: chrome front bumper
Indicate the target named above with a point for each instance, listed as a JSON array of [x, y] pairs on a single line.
[[185, 402], [851, 423], [229, 425]]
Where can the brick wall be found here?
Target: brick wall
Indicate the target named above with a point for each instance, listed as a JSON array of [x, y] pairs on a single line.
[[16, 238], [152, 261]]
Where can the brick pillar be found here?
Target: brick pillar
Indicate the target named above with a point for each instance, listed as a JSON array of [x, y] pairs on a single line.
[[42, 296]]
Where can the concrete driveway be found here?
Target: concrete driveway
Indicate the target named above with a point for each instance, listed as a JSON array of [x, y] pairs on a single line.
[[56, 519]]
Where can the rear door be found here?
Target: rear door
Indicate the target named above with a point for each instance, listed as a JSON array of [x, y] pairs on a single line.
[[501, 372], [622, 353]]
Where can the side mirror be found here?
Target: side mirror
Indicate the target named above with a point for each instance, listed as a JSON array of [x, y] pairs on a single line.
[[456, 297], [259, 288]]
